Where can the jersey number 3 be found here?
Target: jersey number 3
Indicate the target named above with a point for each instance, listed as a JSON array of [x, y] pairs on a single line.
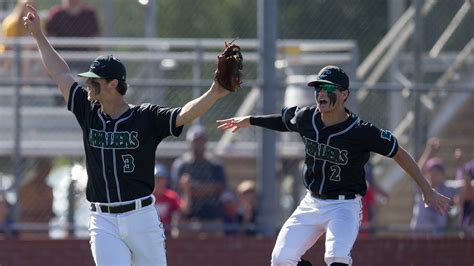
[[128, 163]]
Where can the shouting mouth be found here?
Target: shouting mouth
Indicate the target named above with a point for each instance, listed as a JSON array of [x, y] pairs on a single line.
[[322, 101]]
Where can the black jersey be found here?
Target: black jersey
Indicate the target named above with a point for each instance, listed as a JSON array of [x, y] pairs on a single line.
[[336, 155], [120, 153]]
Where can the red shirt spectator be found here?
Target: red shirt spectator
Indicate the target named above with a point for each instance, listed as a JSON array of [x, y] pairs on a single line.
[[167, 201], [72, 19], [69, 21]]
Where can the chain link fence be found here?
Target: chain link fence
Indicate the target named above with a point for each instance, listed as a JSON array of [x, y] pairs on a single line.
[[170, 48]]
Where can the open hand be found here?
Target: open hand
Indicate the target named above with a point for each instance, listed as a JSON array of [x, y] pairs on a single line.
[[234, 123], [439, 202], [434, 144]]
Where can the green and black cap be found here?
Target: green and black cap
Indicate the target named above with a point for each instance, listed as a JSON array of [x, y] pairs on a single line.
[[106, 66], [333, 75]]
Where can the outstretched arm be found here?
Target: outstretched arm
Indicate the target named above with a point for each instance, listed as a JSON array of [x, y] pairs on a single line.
[[200, 105], [234, 123], [273, 122], [53, 62], [430, 196]]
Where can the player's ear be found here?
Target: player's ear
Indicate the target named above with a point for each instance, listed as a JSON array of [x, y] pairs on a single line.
[[113, 83], [346, 94]]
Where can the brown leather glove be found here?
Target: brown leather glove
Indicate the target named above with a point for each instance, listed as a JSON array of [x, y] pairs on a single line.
[[229, 66]]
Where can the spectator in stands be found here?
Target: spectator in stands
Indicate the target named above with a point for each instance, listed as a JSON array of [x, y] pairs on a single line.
[[168, 203], [230, 207], [426, 219], [36, 196], [247, 212], [201, 180], [6, 223], [12, 26], [72, 19], [465, 173], [240, 209]]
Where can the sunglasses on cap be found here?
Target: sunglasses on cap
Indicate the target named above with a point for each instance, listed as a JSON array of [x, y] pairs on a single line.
[[326, 87]]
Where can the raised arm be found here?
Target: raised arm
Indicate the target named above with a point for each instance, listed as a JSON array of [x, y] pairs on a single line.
[[200, 105], [55, 65], [430, 196], [432, 147]]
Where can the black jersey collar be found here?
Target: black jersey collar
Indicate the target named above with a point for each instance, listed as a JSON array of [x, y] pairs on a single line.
[[109, 118], [352, 117]]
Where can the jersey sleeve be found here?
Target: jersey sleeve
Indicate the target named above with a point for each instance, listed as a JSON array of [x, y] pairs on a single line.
[[164, 121], [273, 122], [78, 103], [380, 141], [288, 115]]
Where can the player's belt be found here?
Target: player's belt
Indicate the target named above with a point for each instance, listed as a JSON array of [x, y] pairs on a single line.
[[333, 196], [121, 208]]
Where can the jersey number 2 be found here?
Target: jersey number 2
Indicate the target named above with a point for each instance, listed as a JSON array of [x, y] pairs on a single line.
[[128, 163], [335, 173]]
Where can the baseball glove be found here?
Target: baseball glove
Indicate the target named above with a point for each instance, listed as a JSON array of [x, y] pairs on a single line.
[[229, 66]]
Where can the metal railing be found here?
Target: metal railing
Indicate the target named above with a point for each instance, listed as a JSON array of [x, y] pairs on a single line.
[[42, 127]]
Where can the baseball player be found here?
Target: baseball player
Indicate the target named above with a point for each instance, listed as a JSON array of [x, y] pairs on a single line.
[[337, 145], [120, 141]]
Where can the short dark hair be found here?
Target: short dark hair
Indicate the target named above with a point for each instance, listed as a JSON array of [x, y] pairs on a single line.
[[122, 86]]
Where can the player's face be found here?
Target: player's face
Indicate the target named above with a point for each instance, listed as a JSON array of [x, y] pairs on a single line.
[[329, 98], [198, 145], [436, 176], [94, 88]]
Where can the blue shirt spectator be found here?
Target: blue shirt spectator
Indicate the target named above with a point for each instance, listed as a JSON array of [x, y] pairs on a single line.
[[427, 220], [200, 180]]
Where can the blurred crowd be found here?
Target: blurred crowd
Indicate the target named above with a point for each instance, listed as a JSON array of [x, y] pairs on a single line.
[[192, 193], [193, 196], [72, 18], [459, 187]]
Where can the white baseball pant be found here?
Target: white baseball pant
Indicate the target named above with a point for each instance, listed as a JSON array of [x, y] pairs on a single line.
[[131, 238], [340, 219]]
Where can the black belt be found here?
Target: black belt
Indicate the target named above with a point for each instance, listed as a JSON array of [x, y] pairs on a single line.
[[121, 208], [333, 196]]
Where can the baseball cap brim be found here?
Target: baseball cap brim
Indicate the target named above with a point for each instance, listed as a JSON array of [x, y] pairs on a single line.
[[89, 74], [316, 82]]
